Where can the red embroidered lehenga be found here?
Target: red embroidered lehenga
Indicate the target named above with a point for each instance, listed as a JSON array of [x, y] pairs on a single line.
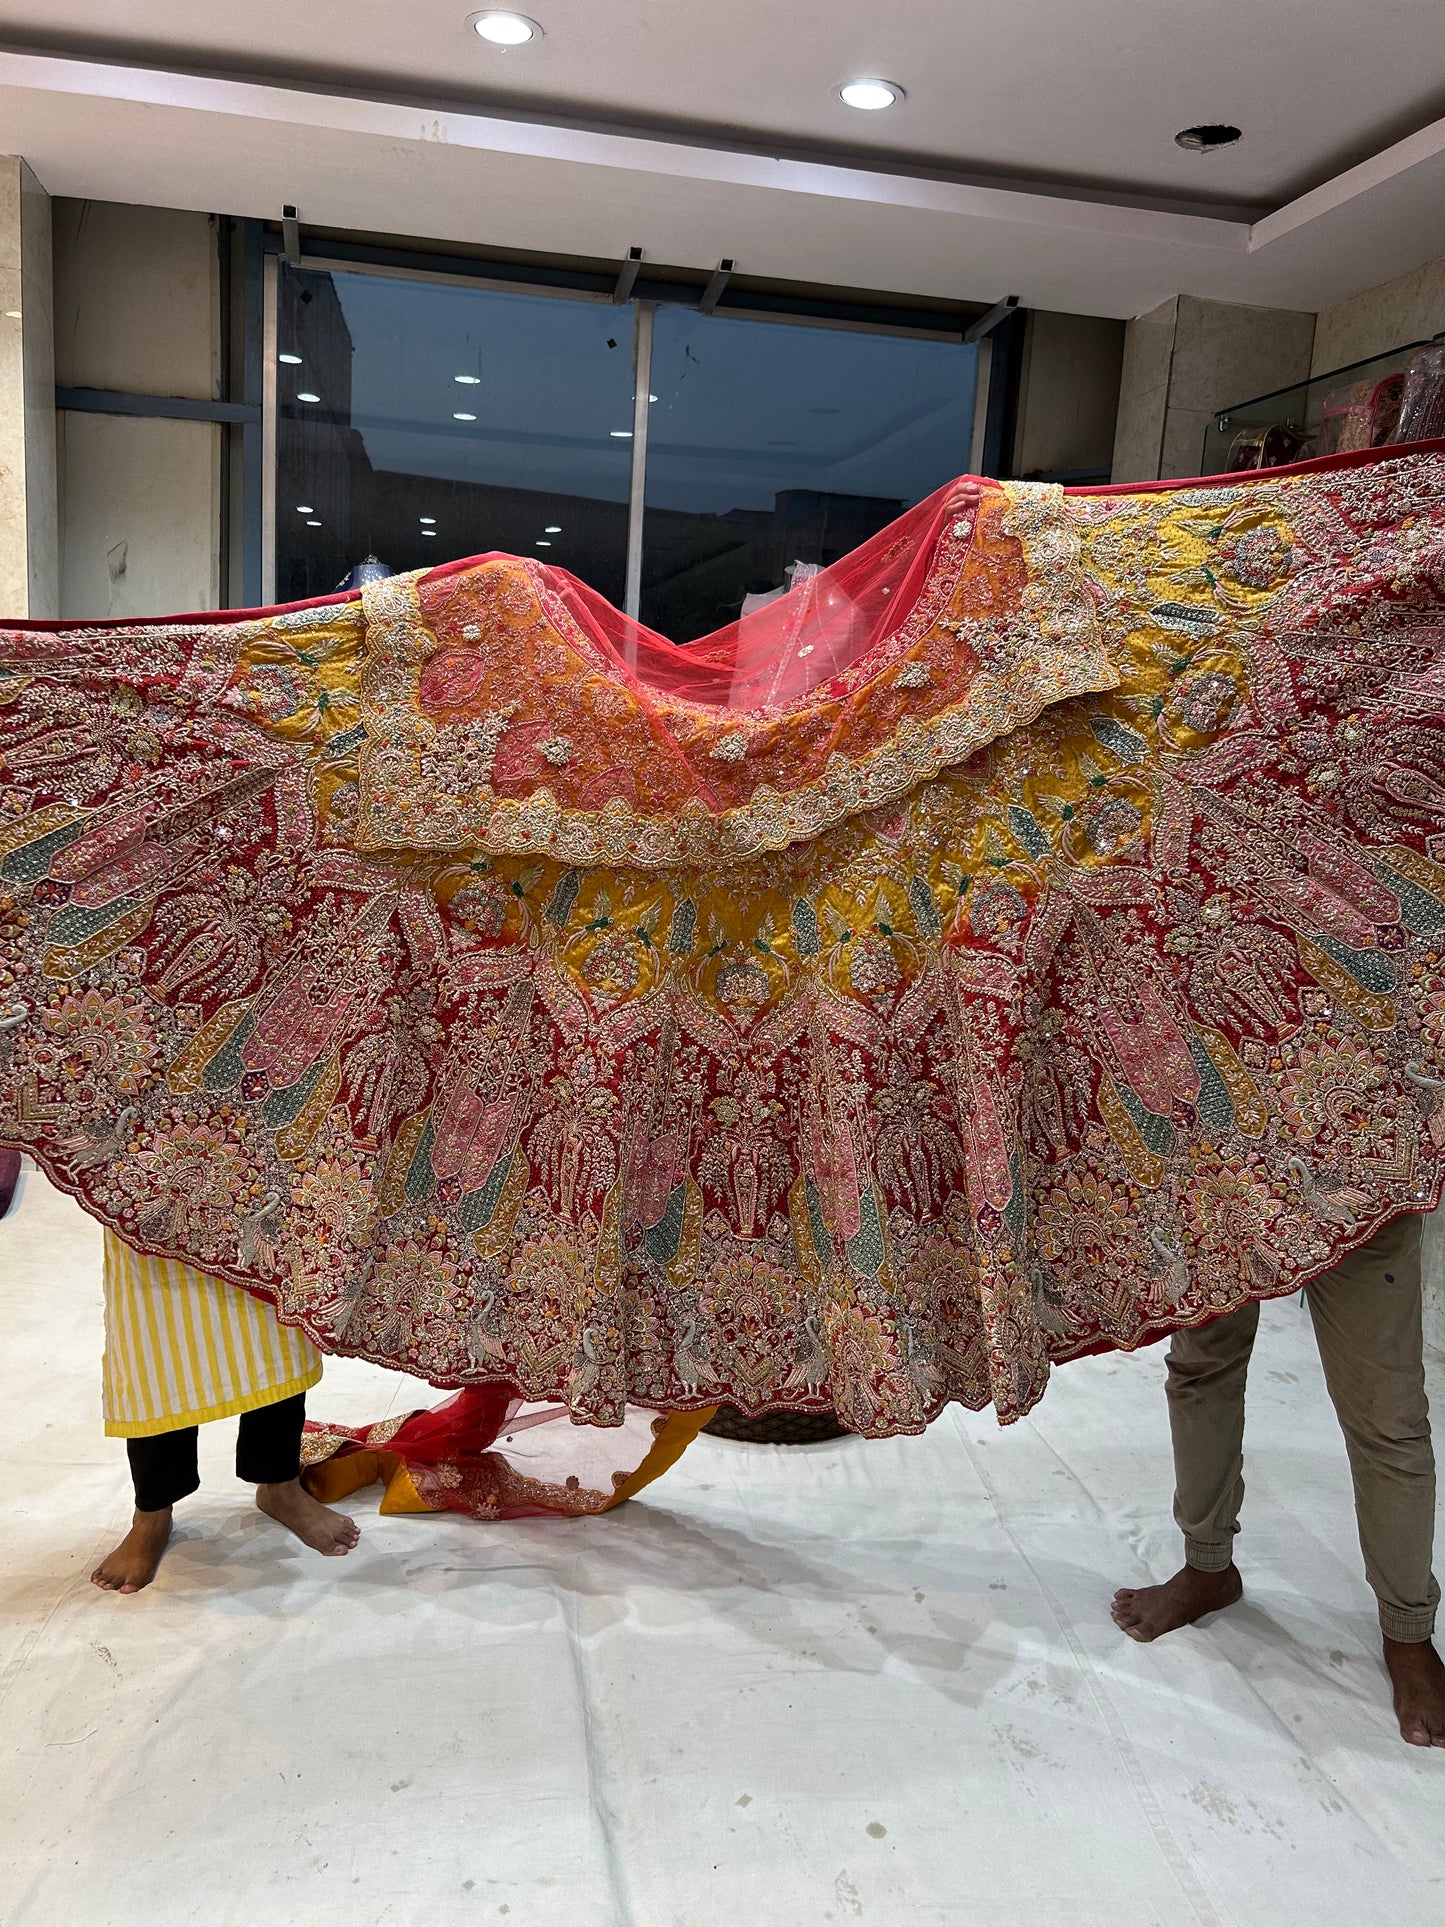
[[1022, 939]]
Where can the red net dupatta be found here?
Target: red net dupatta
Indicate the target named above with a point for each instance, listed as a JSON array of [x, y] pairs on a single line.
[[485, 1454]]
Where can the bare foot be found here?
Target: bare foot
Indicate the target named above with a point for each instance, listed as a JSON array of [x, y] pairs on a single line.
[[133, 1563], [1146, 1612], [1418, 1677], [314, 1524]]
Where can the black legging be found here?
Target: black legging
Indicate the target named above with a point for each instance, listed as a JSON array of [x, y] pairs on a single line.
[[268, 1451]]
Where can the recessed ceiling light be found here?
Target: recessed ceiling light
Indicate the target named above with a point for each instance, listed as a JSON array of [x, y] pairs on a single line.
[[468, 381], [1204, 139], [507, 29], [461, 415], [620, 434], [540, 544], [426, 520], [429, 532], [291, 361], [870, 95], [553, 528], [306, 395], [313, 525], [304, 508]]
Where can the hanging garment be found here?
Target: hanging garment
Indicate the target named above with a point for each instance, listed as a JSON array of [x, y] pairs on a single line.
[[1021, 939]]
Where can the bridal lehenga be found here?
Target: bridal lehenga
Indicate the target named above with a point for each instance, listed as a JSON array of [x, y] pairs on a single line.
[[1022, 939]]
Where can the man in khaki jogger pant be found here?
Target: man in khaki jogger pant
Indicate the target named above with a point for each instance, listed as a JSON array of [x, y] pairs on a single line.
[[1367, 1321]]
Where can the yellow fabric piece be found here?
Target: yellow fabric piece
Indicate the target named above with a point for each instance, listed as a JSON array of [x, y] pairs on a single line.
[[401, 1495], [674, 1436], [183, 1348], [336, 1478]]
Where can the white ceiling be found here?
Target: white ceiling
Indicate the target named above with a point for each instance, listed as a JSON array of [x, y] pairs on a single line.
[[1033, 154]]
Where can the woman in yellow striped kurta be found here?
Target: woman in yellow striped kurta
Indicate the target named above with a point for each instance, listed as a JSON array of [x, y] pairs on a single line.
[[183, 1348]]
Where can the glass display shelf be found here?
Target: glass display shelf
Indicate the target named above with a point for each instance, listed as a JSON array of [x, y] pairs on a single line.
[[1396, 397]]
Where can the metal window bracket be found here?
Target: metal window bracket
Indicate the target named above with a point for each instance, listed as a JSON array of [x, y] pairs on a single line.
[[986, 323], [637, 488], [181, 408], [712, 293], [982, 381], [626, 277], [291, 237]]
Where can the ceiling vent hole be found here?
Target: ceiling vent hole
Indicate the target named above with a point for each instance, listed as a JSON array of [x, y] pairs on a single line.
[[1204, 140]]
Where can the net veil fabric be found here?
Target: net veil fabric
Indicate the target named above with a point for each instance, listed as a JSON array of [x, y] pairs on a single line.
[[1022, 939], [779, 655], [484, 1453]]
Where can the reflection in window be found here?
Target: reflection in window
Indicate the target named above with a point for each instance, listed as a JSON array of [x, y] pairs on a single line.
[[422, 422], [448, 421], [771, 446]]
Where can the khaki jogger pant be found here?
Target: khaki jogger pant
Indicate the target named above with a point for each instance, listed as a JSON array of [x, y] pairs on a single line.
[[1367, 1320]]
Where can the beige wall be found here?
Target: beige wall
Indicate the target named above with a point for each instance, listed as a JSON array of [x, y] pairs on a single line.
[[137, 306], [1411, 308], [141, 503], [28, 537], [1068, 394], [1188, 357], [1185, 360], [1144, 393]]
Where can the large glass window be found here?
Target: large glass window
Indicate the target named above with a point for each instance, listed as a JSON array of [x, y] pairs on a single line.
[[770, 446], [419, 422]]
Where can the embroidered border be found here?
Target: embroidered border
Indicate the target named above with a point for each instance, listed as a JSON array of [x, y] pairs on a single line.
[[412, 795]]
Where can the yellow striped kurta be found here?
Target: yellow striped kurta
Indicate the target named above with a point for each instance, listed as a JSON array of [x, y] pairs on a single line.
[[182, 1347]]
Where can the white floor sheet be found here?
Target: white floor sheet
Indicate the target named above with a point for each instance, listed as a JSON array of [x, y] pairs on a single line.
[[868, 1683]]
